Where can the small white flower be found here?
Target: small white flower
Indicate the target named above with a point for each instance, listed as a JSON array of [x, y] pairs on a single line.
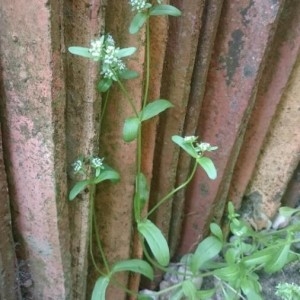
[[97, 162], [139, 5], [77, 166]]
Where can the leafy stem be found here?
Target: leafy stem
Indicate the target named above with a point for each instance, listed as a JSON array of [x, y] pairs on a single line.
[[158, 204]]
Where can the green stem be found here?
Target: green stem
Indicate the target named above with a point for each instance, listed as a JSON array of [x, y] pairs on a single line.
[[92, 224], [128, 97], [173, 191], [137, 204], [104, 107]]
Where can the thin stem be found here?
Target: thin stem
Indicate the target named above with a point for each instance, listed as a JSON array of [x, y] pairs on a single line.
[[137, 204], [173, 191], [92, 224], [104, 106], [153, 262], [128, 97], [90, 227]]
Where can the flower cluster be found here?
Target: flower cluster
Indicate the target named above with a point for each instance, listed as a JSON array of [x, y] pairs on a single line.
[[81, 165], [200, 148], [104, 50], [139, 5]]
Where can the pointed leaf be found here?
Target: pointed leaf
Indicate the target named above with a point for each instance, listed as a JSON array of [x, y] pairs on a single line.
[[216, 230], [81, 51], [128, 74], [137, 22], [78, 188], [278, 259], [154, 108], [206, 250], [131, 129], [258, 258], [185, 146], [189, 290], [134, 265], [164, 10], [205, 294], [156, 241], [229, 273], [208, 166], [104, 84], [125, 52], [107, 175], [100, 288]]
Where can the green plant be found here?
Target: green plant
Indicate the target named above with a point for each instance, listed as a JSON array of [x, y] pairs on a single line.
[[113, 70], [288, 291], [239, 259]]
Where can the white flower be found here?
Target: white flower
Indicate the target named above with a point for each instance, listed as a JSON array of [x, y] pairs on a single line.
[[77, 166], [97, 162], [139, 5], [96, 48]]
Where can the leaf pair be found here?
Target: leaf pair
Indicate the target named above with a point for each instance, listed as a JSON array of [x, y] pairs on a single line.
[[158, 10], [107, 174], [152, 109], [205, 162]]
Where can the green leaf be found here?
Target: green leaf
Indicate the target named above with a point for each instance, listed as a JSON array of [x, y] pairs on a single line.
[[216, 230], [137, 22], [229, 273], [205, 294], [164, 10], [134, 265], [287, 211], [107, 175], [251, 288], [278, 259], [206, 250], [78, 188], [128, 74], [208, 166], [125, 52], [142, 194], [131, 129], [185, 146], [81, 51], [100, 288], [258, 258], [104, 84], [156, 241], [155, 108], [189, 290]]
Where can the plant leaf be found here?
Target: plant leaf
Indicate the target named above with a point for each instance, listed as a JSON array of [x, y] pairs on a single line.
[[258, 258], [229, 273], [278, 259], [134, 265], [287, 211], [78, 188], [125, 52], [216, 230], [107, 175], [156, 241], [128, 74], [100, 288], [142, 189], [205, 294], [137, 22], [155, 108], [80, 51], [131, 129], [208, 166], [164, 10], [189, 290], [104, 84], [185, 146], [206, 250]]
